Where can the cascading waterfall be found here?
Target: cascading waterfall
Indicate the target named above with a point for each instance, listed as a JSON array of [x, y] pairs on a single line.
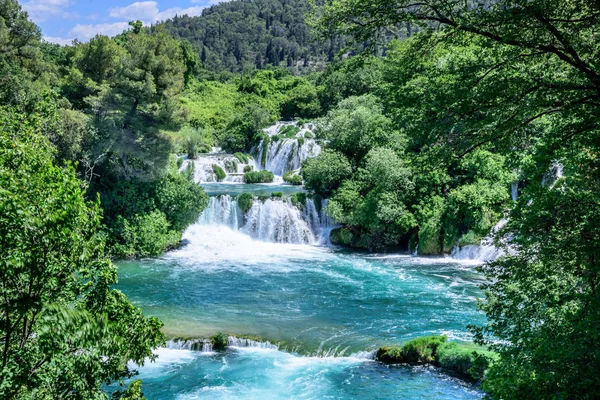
[[272, 220], [277, 221], [485, 251], [222, 210], [231, 165], [286, 154]]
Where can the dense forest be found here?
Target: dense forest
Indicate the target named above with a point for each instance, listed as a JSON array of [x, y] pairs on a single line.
[[421, 147], [244, 35]]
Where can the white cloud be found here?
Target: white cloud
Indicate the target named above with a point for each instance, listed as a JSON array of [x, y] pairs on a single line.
[[42, 10], [148, 12], [58, 40], [85, 32], [211, 2], [171, 12], [142, 10]]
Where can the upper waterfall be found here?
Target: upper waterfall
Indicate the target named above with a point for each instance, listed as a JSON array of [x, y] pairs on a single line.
[[286, 146]]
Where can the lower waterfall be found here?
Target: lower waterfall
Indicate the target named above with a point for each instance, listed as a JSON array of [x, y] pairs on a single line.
[[275, 220]]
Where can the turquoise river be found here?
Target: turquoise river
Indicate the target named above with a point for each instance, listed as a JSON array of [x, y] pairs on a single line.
[[319, 311]]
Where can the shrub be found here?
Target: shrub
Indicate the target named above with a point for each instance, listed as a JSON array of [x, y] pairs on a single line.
[[231, 166], [289, 131], [244, 159], [219, 172], [245, 201], [265, 150], [219, 341], [324, 173], [180, 199], [259, 177], [292, 178], [469, 238], [466, 359], [298, 199], [277, 194], [300, 141], [248, 168], [343, 236], [308, 135], [145, 236]]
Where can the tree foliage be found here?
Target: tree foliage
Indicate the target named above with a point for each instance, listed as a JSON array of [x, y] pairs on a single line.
[[63, 331], [519, 80]]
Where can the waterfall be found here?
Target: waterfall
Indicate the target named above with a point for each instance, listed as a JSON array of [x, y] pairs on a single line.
[[204, 345], [286, 154], [272, 220], [485, 251], [514, 191], [553, 175], [203, 168], [278, 221], [241, 342], [222, 210]]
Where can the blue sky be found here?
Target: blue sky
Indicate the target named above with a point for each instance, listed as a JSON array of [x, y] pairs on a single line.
[[64, 20]]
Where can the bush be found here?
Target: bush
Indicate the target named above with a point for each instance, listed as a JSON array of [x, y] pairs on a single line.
[[145, 236], [289, 131], [180, 199], [245, 201], [469, 238], [219, 172], [259, 177], [265, 150], [324, 173], [219, 341], [308, 135], [298, 199], [244, 159], [277, 194], [292, 178], [248, 168], [300, 141], [231, 166], [343, 236]]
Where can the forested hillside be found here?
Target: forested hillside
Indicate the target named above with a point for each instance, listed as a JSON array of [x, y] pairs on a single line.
[[421, 148], [242, 35]]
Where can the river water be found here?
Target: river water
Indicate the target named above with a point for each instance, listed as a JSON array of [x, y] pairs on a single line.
[[322, 310]]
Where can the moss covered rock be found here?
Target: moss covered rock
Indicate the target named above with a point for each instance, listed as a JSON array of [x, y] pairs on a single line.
[[467, 360]]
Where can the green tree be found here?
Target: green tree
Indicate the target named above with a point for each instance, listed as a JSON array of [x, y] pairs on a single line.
[[325, 173], [63, 331], [356, 125], [521, 78]]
